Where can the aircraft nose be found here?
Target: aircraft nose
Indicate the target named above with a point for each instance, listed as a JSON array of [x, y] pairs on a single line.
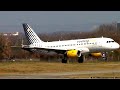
[[117, 46]]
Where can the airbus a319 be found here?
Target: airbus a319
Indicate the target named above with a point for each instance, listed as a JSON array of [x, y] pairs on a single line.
[[69, 48]]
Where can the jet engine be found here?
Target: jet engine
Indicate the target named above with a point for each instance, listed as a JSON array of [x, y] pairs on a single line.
[[99, 54], [73, 53]]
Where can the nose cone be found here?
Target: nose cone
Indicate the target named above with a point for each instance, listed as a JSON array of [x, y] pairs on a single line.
[[117, 46]]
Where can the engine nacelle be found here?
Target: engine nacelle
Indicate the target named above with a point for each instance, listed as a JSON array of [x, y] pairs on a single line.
[[73, 53], [96, 54]]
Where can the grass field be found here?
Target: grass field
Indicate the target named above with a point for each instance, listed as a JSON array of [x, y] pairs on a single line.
[[30, 67]]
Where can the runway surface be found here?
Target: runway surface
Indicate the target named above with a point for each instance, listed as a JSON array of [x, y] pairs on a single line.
[[60, 75]]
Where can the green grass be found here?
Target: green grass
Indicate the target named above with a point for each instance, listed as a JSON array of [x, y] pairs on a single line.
[[28, 67]]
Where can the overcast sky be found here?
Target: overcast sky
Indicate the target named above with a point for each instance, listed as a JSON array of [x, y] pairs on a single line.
[[45, 18]]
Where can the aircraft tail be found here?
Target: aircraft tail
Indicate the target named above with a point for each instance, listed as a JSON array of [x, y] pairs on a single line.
[[31, 35]]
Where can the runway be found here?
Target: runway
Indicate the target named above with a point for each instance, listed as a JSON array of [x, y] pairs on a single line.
[[60, 75]]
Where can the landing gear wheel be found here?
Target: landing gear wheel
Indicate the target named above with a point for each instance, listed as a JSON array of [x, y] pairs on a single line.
[[80, 59], [64, 61], [105, 58]]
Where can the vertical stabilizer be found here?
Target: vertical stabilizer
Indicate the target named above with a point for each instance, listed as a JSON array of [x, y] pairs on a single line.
[[31, 35]]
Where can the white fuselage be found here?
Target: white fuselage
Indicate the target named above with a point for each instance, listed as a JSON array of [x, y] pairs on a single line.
[[83, 45]]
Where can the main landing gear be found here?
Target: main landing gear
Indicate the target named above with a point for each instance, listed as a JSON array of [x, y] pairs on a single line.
[[104, 56], [81, 59], [64, 60]]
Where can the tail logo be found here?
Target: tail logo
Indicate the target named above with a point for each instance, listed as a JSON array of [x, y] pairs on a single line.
[[31, 35]]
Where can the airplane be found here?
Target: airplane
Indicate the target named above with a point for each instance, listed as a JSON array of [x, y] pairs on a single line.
[[69, 48]]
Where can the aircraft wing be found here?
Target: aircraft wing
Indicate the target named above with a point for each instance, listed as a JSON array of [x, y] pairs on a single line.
[[45, 49], [60, 51]]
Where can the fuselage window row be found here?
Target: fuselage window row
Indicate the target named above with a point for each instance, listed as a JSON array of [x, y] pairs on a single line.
[[72, 44]]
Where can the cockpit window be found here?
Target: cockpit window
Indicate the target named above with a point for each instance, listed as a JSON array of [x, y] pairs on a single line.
[[110, 41]]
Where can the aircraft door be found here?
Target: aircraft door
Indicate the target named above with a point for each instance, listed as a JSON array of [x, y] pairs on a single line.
[[99, 44]]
